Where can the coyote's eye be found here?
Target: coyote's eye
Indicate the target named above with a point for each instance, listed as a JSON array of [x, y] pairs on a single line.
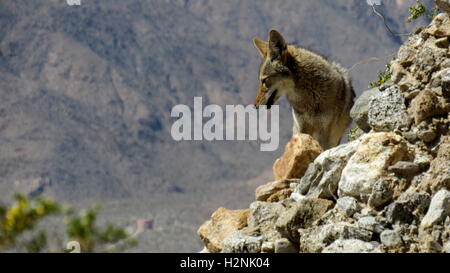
[[265, 82]]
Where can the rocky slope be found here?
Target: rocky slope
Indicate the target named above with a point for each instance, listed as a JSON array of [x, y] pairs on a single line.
[[388, 190]]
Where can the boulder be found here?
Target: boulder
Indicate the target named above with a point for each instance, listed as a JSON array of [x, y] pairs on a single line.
[[370, 223], [301, 215], [408, 207], [264, 192], [347, 205], [405, 168], [438, 210], [426, 105], [387, 110], [376, 152], [360, 109], [322, 176], [391, 239], [301, 150], [382, 193], [263, 215], [222, 223], [440, 26]]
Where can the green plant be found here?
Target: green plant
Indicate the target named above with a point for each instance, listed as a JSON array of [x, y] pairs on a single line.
[[383, 76], [82, 229], [416, 11], [22, 216], [353, 131], [419, 9], [25, 214]]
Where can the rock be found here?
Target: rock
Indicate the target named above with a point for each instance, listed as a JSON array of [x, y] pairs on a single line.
[[427, 136], [347, 205], [391, 239], [376, 152], [440, 26], [405, 168], [446, 248], [222, 223], [387, 110], [443, 5], [283, 245], [322, 176], [263, 215], [426, 105], [301, 150], [360, 109], [297, 196], [280, 195], [438, 176], [370, 223], [314, 240], [408, 207], [238, 242], [264, 192], [301, 215], [268, 247], [352, 246], [445, 83], [204, 250], [382, 192], [442, 42], [438, 210]]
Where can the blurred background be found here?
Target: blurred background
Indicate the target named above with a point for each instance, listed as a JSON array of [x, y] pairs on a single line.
[[86, 94]]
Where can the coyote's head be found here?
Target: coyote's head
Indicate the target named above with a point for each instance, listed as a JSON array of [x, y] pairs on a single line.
[[274, 75]]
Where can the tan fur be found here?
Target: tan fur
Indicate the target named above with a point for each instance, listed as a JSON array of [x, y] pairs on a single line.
[[319, 92]]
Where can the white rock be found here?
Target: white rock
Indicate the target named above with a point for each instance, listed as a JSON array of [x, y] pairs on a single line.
[[391, 238], [373, 156], [438, 210], [348, 205], [322, 176], [297, 196], [352, 246], [370, 223]]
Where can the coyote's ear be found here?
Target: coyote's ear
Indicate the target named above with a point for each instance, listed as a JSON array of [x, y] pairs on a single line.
[[261, 46], [277, 45]]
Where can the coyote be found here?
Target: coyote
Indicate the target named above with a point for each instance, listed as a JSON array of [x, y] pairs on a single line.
[[319, 91]]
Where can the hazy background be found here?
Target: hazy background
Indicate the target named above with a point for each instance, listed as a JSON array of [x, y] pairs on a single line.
[[86, 94]]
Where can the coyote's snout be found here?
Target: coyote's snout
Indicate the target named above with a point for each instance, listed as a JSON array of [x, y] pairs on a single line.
[[320, 92]]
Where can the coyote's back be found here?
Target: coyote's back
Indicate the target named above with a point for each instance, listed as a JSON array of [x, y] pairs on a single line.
[[320, 92]]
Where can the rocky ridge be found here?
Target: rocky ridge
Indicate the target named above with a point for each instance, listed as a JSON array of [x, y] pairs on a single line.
[[387, 190]]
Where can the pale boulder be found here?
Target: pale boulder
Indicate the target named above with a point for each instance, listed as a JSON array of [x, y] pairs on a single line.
[[375, 153]]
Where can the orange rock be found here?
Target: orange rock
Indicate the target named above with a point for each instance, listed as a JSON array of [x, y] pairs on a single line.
[[223, 222], [264, 192], [301, 150]]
